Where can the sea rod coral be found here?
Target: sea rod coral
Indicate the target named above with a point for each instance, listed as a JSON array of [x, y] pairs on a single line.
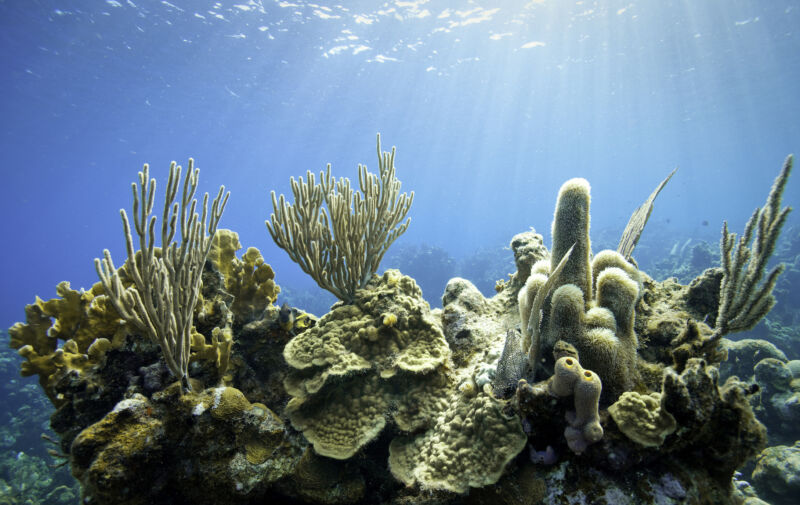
[[166, 283], [342, 246]]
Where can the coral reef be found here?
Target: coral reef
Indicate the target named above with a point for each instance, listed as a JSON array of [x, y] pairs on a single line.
[[777, 403], [235, 447], [779, 399], [32, 471], [583, 380]]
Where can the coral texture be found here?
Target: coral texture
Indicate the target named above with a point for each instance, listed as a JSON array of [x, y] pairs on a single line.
[[469, 446], [352, 370], [250, 281], [592, 303], [641, 418]]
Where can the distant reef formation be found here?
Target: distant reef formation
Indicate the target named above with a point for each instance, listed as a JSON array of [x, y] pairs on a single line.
[[177, 379]]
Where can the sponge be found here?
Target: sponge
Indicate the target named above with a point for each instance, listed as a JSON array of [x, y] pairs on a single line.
[[570, 378]]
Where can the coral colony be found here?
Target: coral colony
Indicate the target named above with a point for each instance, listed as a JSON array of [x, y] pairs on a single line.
[[176, 379]]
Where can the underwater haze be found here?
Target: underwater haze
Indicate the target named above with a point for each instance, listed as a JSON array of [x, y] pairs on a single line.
[[492, 105]]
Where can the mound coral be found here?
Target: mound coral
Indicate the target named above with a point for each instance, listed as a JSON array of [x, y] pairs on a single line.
[[469, 446], [641, 418]]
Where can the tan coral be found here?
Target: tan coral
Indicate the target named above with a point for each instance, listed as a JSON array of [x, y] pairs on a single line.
[[344, 419], [250, 280], [641, 418], [469, 446], [351, 372], [591, 303], [85, 321]]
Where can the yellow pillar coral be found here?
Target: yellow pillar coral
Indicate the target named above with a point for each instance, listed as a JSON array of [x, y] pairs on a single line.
[[587, 304], [571, 227]]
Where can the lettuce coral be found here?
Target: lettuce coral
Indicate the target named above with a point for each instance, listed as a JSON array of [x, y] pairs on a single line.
[[351, 370]]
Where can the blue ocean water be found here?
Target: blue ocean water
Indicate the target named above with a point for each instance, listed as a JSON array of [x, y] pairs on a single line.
[[492, 105]]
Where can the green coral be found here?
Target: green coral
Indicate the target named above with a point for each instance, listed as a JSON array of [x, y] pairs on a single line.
[[469, 446], [351, 369], [641, 418]]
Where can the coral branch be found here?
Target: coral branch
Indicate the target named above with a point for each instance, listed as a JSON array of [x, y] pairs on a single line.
[[743, 302], [166, 281], [342, 244]]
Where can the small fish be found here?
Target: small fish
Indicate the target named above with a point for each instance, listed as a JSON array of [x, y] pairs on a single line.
[[290, 319], [705, 222], [286, 317]]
